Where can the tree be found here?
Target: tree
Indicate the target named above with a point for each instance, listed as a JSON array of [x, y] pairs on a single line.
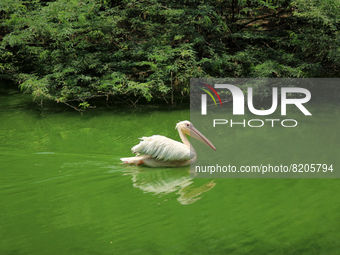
[[73, 51]]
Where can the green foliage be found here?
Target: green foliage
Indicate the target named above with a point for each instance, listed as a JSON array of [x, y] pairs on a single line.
[[71, 51]]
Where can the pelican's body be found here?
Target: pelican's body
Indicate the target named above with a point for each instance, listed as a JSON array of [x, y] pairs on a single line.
[[160, 151]]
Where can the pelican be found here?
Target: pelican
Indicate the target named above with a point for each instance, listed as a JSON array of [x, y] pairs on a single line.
[[160, 151]]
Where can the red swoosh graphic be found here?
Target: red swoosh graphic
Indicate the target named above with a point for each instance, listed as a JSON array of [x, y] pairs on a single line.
[[213, 90]]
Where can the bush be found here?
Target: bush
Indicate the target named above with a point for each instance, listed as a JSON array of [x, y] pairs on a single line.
[[71, 51]]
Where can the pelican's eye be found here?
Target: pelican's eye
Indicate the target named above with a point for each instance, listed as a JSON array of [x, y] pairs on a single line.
[[188, 125]]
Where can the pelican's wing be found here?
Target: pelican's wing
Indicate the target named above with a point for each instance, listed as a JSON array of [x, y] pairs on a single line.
[[162, 148]]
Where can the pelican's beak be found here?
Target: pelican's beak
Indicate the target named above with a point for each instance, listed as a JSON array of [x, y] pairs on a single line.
[[199, 136]]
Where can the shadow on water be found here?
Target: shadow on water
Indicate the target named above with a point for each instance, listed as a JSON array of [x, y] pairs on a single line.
[[168, 180], [11, 98]]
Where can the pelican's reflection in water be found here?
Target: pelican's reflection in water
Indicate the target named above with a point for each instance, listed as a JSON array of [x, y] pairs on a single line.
[[164, 181]]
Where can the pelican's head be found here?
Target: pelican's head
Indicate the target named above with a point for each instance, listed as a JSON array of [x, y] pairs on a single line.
[[188, 128]]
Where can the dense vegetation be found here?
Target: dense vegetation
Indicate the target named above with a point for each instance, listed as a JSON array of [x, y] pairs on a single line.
[[72, 51]]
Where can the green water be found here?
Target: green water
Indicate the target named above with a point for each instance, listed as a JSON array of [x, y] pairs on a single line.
[[64, 191]]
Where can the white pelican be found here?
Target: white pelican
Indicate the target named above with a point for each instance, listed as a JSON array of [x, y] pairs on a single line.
[[160, 151]]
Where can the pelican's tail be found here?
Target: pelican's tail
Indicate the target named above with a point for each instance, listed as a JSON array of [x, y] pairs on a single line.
[[138, 160]]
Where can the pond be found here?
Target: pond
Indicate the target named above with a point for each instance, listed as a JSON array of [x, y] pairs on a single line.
[[64, 190]]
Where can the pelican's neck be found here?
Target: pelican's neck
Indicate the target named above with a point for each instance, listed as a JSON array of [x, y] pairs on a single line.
[[185, 140]]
